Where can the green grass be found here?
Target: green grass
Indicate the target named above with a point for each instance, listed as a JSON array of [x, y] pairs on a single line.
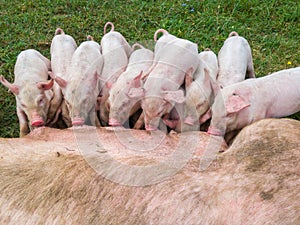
[[271, 27]]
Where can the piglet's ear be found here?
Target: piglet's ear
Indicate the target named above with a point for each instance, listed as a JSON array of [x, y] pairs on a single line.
[[236, 103], [45, 85], [12, 87], [188, 80], [206, 116], [136, 82], [108, 84], [176, 96], [189, 77], [171, 123], [60, 81]]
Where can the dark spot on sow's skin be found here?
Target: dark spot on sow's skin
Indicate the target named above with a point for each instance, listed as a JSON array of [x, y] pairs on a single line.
[[260, 154], [266, 195]]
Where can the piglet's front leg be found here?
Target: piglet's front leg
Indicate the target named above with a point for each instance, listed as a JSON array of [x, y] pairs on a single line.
[[23, 122], [65, 114], [55, 119], [140, 122]]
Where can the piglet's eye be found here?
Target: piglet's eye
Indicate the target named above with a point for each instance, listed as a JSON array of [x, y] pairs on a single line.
[[40, 101], [23, 105]]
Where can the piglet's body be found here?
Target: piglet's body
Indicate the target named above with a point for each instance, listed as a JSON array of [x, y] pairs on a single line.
[[238, 105], [235, 61], [124, 96], [116, 52], [80, 88], [62, 49], [163, 40], [172, 63], [201, 91], [32, 89], [209, 58]]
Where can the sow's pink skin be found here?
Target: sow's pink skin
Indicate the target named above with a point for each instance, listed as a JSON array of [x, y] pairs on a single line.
[[62, 49], [173, 60], [235, 61], [116, 52], [125, 95], [271, 96], [32, 89], [81, 87]]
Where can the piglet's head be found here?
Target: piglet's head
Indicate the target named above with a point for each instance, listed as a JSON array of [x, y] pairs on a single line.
[[123, 100], [227, 111], [80, 96], [155, 107], [33, 99], [15, 89]]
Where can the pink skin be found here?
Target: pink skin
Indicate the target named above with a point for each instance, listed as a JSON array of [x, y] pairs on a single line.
[[166, 75], [126, 93], [189, 120], [171, 123], [157, 107], [173, 119], [62, 49], [81, 88], [235, 61], [116, 52], [201, 89], [163, 40], [200, 95], [151, 128], [77, 121], [215, 132], [271, 96], [31, 88], [109, 24], [153, 113], [256, 182], [36, 120], [113, 122]]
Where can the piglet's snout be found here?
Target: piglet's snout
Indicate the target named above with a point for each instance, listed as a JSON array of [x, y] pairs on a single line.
[[189, 121], [153, 124], [114, 122], [77, 121], [150, 128], [36, 120]]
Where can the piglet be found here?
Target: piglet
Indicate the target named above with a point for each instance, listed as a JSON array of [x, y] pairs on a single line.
[[32, 89], [124, 95], [235, 61], [81, 87], [240, 104], [62, 49], [200, 91], [174, 60], [116, 52]]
